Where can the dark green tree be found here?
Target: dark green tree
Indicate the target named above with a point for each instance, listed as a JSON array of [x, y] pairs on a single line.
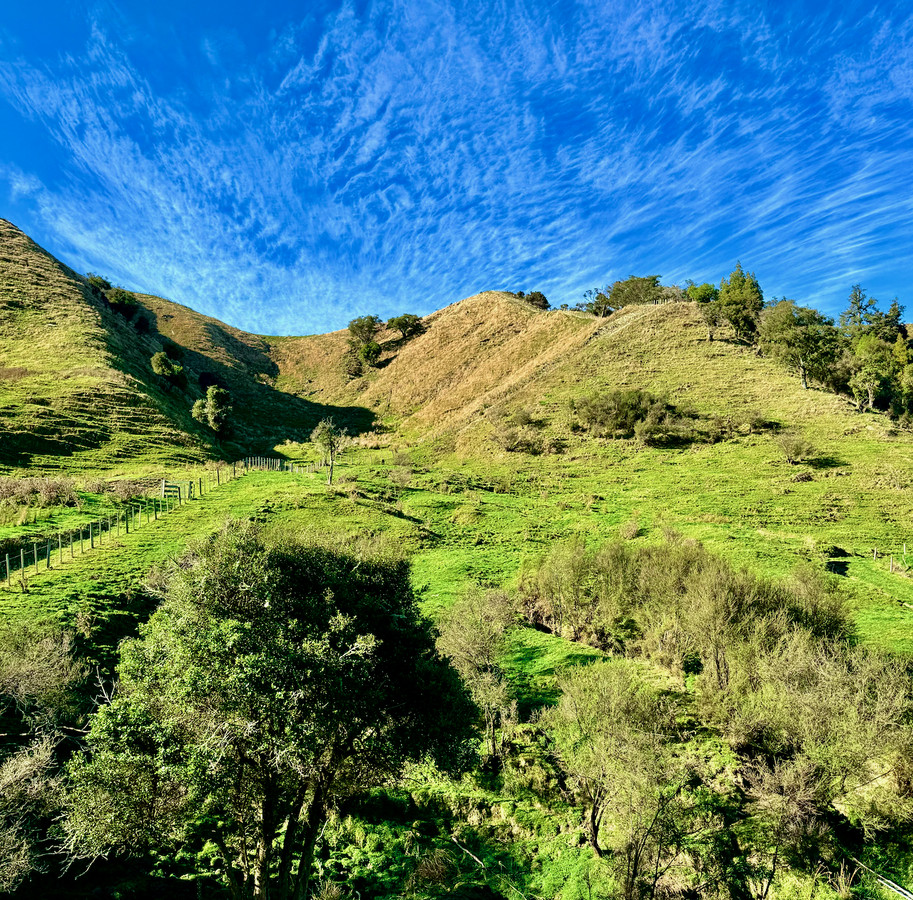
[[740, 302], [273, 681], [363, 330], [123, 302], [860, 314], [407, 324], [537, 299], [802, 338], [369, 353]]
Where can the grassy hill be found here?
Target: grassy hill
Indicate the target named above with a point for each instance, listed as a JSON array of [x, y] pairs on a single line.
[[471, 458], [77, 389]]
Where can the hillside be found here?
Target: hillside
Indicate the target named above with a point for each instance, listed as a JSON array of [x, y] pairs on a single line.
[[77, 388]]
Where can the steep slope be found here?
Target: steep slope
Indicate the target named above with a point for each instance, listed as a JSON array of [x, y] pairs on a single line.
[[77, 387], [61, 389]]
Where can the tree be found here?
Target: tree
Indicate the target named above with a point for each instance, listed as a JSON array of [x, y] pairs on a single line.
[[123, 302], [407, 324], [800, 337], [214, 411], [473, 636], [634, 290], [363, 329], [875, 370], [272, 682], [537, 299], [702, 293], [613, 734], [859, 315], [596, 301], [740, 301], [369, 353], [328, 437]]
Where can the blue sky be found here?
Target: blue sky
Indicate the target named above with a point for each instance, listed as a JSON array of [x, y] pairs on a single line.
[[288, 167]]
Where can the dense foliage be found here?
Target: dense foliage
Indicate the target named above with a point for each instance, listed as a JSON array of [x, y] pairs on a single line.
[[274, 680]]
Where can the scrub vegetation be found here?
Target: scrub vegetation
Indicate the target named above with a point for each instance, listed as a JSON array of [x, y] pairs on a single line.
[[570, 603]]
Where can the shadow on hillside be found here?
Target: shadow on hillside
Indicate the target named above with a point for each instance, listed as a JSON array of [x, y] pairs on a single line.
[[826, 462]]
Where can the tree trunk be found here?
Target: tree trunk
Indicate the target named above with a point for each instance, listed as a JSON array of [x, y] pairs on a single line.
[[315, 818], [803, 374], [332, 461]]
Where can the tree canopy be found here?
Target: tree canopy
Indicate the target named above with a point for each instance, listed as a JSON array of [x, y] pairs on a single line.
[[802, 338], [272, 681], [363, 329], [407, 324]]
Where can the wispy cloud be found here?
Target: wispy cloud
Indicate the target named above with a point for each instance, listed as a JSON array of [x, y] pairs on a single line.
[[406, 154]]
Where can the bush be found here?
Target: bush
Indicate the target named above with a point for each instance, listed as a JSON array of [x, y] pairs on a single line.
[[369, 353], [795, 449], [214, 410], [123, 302], [634, 412]]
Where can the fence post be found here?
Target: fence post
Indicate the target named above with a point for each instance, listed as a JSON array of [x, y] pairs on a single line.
[[22, 560], [218, 474], [35, 554], [60, 547], [8, 582], [91, 538], [47, 559]]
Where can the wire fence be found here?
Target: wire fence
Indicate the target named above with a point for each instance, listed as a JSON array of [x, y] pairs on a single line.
[[35, 555]]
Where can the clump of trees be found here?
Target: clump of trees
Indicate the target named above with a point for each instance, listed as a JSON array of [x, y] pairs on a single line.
[[39, 679], [821, 725], [363, 349], [636, 290], [214, 410], [273, 682]]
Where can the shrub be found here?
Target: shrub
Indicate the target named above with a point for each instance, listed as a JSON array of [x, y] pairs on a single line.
[[123, 302], [795, 449], [101, 284], [628, 413], [214, 410], [369, 353]]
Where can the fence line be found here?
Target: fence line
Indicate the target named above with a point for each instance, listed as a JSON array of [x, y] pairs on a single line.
[[131, 517]]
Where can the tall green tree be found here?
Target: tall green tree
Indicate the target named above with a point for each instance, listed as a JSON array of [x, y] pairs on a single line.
[[860, 314], [272, 682], [740, 302], [800, 337], [875, 372]]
